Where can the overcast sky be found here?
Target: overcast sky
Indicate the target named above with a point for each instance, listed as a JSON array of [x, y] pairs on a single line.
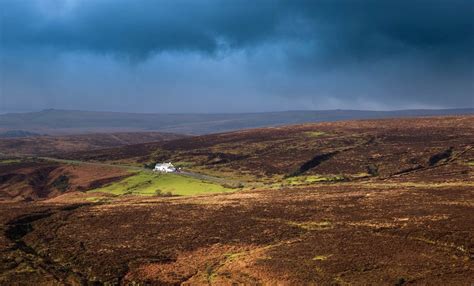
[[235, 55]]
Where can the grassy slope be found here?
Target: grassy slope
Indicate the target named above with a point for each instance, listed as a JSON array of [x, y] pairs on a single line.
[[147, 184]]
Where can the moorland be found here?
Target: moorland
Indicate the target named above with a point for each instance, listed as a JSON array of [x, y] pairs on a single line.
[[44, 145], [381, 202]]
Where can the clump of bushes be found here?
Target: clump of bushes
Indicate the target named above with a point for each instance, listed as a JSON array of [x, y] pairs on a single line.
[[160, 193], [149, 165], [400, 281], [441, 156], [233, 186], [373, 170], [61, 183]]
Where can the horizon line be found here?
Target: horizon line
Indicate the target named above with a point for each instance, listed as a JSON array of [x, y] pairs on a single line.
[[231, 113]]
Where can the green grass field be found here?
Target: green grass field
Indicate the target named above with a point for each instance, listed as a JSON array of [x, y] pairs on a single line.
[[150, 184]]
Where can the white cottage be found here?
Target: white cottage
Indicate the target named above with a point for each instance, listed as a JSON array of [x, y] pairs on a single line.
[[164, 168]]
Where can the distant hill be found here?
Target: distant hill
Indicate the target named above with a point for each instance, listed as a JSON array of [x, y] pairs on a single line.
[[53, 121], [50, 145], [17, 134]]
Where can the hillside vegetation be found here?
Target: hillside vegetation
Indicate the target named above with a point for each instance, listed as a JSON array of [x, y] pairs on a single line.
[[377, 202], [30, 179], [54, 145], [351, 150]]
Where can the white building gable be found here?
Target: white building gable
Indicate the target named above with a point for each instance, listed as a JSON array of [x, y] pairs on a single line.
[[164, 167]]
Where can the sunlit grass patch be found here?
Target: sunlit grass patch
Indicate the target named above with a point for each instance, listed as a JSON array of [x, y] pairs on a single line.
[[321, 257], [305, 180], [234, 256], [422, 185], [10, 161], [312, 225], [93, 199], [314, 133], [360, 175], [98, 199], [150, 184]]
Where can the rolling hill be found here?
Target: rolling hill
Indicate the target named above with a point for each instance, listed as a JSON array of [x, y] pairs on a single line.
[[50, 145], [53, 121], [341, 150]]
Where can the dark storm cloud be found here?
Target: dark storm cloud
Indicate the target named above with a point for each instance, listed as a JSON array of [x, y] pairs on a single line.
[[349, 28], [387, 54], [138, 28], [368, 28]]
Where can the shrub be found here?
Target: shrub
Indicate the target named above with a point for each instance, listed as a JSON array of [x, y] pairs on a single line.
[[61, 183], [373, 170], [400, 281], [441, 156], [160, 193], [149, 165]]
